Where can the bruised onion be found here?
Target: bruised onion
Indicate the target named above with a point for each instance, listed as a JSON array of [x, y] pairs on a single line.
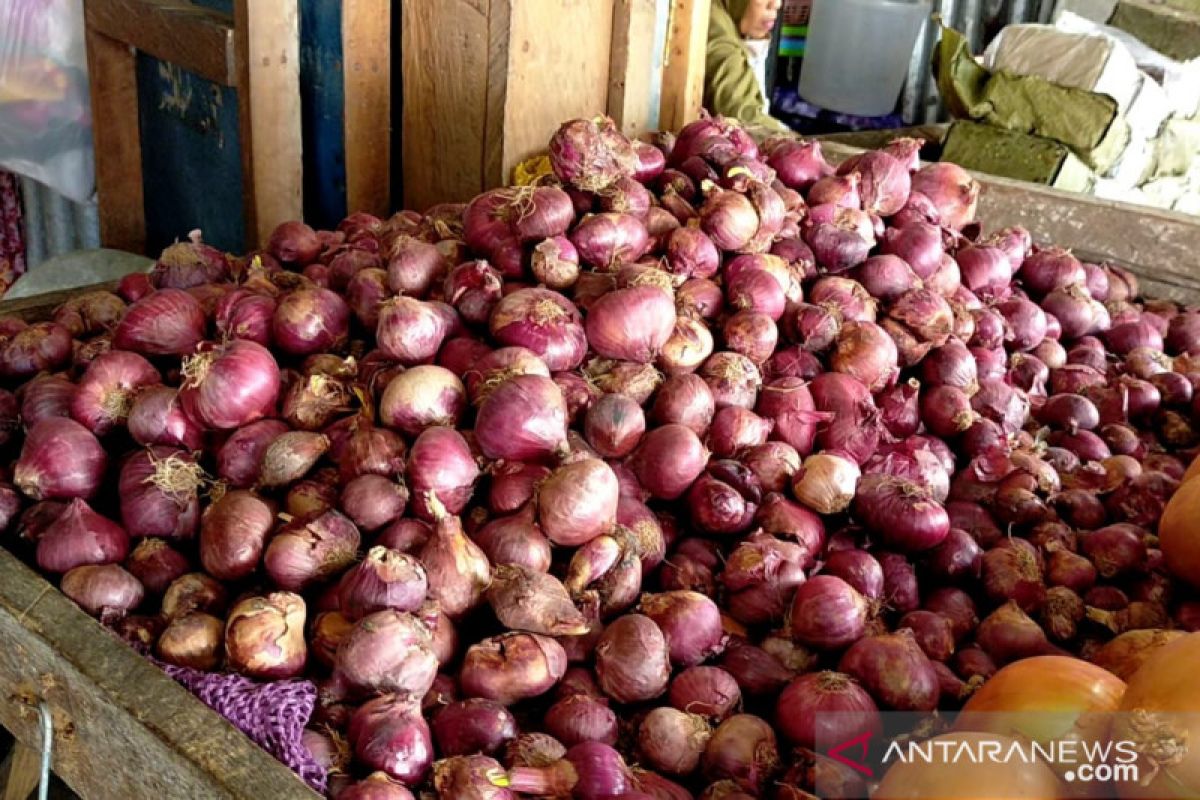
[[310, 550], [512, 667], [264, 636]]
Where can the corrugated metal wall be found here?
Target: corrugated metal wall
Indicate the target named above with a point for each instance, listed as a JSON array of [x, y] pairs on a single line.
[[55, 225]]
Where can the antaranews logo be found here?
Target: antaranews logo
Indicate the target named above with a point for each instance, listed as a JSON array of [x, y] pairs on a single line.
[[1089, 755]]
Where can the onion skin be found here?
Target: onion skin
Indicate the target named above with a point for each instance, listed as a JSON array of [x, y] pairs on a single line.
[[264, 637], [81, 537], [632, 661], [512, 667], [167, 322], [103, 590], [60, 460], [384, 579], [195, 641], [311, 550]]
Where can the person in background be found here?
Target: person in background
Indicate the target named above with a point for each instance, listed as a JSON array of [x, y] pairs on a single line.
[[735, 69]]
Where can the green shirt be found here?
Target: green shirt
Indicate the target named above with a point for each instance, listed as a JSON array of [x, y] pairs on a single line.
[[730, 88]]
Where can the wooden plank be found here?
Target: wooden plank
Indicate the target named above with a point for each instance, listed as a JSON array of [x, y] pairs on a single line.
[[196, 38], [39, 307], [631, 67], [24, 772], [551, 79], [122, 727], [267, 39], [367, 53], [683, 70], [496, 87], [117, 143], [444, 54], [1158, 246]]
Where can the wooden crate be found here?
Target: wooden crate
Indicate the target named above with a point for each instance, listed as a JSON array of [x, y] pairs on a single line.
[[122, 727]]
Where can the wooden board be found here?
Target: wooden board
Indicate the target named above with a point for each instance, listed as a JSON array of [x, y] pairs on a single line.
[[1161, 247], [122, 727], [117, 142], [631, 65], [556, 68], [444, 54], [367, 58], [487, 82], [683, 70], [267, 38], [193, 37]]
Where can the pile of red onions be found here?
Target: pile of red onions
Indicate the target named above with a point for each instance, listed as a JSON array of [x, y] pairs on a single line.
[[620, 484]]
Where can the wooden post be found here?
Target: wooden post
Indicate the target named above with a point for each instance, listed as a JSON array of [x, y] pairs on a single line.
[[683, 72], [486, 84], [367, 55], [267, 47], [631, 67], [117, 142], [23, 773]]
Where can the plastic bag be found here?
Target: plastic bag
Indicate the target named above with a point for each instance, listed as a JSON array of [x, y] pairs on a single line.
[[45, 114]]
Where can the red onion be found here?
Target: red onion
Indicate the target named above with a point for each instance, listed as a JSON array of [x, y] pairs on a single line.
[[231, 385], [743, 750], [264, 636], [609, 240], [691, 254], [578, 502], [886, 277], [376, 786], [799, 164], [857, 568], [389, 734], [294, 242], [632, 659], [523, 419], [103, 398], [952, 191], [631, 324], [157, 417], [555, 263], [311, 550], [919, 245], [544, 322], [894, 670], [421, 397], [828, 613], [388, 651], [902, 513], [724, 499], [884, 181], [838, 190], [1008, 634], [474, 725], [60, 459], [411, 331], [156, 565], [106, 591], [79, 537], [159, 493], [512, 667], [167, 322], [45, 396], [243, 315], [233, 534], [864, 351], [591, 154], [89, 313], [690, 622], [823, 707], [524, 599], [412, 266], [581, 718], [668, 460]]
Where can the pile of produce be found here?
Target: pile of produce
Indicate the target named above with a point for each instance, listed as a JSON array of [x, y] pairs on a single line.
[[609, 486]]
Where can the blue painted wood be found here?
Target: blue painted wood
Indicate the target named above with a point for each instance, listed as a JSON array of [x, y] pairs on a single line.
[[191, 158], [322, 109]]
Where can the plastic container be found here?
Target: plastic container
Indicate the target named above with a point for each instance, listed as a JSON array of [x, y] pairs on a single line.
[[858, 52]]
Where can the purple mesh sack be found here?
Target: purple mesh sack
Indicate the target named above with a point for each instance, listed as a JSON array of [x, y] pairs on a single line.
[[273, 715]]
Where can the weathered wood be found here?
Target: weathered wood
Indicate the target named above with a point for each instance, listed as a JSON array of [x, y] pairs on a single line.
[[486, 84], [1161, 247], [196, 38], [22, 769], [117, 142], [122, 727], [683, 71], [445, 110], [631, 67], [367, 52], [551, 78], [267, 48], [39, 307]]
